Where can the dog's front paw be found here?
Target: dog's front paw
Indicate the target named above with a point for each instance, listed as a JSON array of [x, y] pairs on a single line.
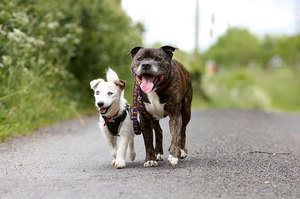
[[119, 164], [150, 163], [173, 160], [183, 154], [113, 162], [113, 153], [159, 157], [132, 155]]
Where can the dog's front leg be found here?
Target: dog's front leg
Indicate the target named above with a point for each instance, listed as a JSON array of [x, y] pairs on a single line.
[[158, 141], [131, 150], [121, 153], [112, 144], [146, 128], [175, 128]]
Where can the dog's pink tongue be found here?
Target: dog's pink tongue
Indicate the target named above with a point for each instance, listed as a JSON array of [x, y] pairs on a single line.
[[147, 83]]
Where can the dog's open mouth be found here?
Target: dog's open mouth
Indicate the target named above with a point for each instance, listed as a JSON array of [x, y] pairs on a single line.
[[147, 81], [103, 110]]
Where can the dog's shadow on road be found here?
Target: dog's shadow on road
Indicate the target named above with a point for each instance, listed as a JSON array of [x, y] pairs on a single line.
[[163, 165]]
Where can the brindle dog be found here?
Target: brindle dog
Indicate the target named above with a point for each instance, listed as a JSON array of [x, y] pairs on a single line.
[[166, 90]]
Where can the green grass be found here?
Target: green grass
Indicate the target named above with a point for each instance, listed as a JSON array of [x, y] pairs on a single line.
[[33, 112], [283, 87], [276, 90]]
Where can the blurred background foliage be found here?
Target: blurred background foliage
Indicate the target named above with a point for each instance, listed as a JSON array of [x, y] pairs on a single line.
[[51, 50], [242, 70]]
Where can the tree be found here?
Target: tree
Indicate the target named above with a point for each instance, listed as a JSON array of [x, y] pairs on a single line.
[[236, 47], [289, 49], [267, 50], [108, 35]]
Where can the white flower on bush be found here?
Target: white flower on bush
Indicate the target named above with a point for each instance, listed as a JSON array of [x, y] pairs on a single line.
[[70, 26], [21, 17], [76, 41], [60, 39], [31, 39], [2, 31], [43, 25], [69, 36], [35, 41], [41, 61], [73, 27], [72, 38], [39, 42], [25, 70], [17, 35], [18, 32], [7, 60], [53, 25], [1, 65], [27, 45]]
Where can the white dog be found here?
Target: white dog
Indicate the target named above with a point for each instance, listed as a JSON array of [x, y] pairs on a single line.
[[115, 117]]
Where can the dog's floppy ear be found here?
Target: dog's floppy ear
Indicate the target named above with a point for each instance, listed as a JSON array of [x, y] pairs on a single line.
[[168, 50], [134, 51], [95, 83], [120, 83]]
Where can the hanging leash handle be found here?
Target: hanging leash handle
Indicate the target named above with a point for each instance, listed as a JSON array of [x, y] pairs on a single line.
[[136, 95], [137, 102]]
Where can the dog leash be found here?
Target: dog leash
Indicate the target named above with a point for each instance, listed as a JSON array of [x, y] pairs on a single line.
[[137, 102], [136, 95]]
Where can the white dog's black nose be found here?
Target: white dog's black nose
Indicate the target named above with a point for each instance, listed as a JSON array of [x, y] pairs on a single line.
[[100, 104]]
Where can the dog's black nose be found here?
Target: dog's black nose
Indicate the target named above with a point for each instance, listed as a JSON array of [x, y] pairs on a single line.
[[100, 104], [146, 66]]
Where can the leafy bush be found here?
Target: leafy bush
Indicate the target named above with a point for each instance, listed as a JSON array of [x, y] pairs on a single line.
[[50, 50], [236, 89]]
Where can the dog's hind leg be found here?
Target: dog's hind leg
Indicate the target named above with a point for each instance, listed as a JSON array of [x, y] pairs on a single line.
[[158, 141], [186, 116], [131, 150], [175, 130]]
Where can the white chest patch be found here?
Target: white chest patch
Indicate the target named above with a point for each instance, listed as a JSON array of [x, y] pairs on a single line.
[[155, 108]]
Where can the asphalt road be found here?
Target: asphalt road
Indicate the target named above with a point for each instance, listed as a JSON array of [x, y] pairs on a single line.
[[71, 160]]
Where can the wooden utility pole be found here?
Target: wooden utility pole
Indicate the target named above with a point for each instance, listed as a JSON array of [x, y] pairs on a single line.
[[197, 28]]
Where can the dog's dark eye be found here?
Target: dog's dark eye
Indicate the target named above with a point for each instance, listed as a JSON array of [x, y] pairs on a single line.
[[97, 92], [158, 59], [109, 93], [139, 59]]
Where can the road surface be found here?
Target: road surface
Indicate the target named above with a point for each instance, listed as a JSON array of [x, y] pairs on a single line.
[[71, 160]]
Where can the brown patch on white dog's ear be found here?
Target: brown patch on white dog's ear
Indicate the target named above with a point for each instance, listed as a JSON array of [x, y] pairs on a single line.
[[95, 83], [134, 51], [168, 50], [120, 83]]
